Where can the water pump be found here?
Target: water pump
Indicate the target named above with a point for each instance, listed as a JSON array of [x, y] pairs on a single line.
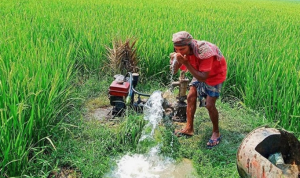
[[121, 94], [180, 107]]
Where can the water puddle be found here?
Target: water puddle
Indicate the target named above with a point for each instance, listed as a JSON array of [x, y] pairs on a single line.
[[152, 164]]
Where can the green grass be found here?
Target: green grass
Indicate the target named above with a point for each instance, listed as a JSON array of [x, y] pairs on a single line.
[[96, 145], [235, 124]]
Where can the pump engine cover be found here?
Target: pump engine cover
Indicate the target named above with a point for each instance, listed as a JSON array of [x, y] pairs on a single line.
[[119, 89]]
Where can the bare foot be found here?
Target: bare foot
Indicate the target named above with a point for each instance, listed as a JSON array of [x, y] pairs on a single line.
[[182, 132]]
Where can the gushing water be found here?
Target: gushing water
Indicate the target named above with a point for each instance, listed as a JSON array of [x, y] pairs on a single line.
[[168, 94], [151, 164], [172, 67], [153, 112], [174, 60]]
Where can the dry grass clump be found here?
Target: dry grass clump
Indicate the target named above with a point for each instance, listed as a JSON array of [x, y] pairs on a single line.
[[122, 57]]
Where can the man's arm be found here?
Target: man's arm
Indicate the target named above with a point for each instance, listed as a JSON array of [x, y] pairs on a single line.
[[200, 76]]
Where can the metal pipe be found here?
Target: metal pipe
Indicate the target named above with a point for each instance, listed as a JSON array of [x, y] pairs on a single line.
[[142, 94], [130, 82], [131, 89]]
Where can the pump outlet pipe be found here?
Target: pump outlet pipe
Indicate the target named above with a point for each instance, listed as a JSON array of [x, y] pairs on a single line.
[[132, 83]]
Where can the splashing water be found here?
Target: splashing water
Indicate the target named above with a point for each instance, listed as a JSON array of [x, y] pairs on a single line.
[[174, 61], [169, 93], [169, 96], [153, 112], [151, 165], [172, 68], [144, 166]]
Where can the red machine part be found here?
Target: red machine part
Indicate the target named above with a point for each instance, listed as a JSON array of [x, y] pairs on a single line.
[[119, 89]]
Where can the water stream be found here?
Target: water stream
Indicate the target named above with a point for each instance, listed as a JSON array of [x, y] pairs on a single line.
[[172, 68], [151, 164], [153, 113], [169, 94]]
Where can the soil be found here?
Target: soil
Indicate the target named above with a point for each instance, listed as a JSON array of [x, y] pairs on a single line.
[[65, 172], [101, 114]]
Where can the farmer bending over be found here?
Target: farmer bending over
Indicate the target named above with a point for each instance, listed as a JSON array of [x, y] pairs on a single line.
[[208, 66]]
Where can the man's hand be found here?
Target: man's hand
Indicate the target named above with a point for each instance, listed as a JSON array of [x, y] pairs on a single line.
[[182, 59]]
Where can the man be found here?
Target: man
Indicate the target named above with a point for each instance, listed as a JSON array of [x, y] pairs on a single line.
[[208, 66]]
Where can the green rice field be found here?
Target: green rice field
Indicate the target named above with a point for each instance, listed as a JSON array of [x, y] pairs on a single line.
[[47, 45]]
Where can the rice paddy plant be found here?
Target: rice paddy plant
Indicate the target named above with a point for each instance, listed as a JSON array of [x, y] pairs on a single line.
[[268, 77], [36, 70], [41, 43], [35, 91]]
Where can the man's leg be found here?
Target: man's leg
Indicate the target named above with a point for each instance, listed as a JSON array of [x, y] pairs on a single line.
[[214, 117], [190, 111]]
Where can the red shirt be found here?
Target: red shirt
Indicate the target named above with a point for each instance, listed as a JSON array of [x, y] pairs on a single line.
[[217, 69]]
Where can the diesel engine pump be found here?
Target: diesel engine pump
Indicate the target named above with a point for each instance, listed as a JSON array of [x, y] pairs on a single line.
[[122, 92]]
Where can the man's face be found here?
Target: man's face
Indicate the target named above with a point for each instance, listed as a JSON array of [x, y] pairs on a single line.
[[183, 50]]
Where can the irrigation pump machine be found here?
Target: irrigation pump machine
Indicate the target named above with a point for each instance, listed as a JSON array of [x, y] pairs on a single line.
[[121, 94]]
